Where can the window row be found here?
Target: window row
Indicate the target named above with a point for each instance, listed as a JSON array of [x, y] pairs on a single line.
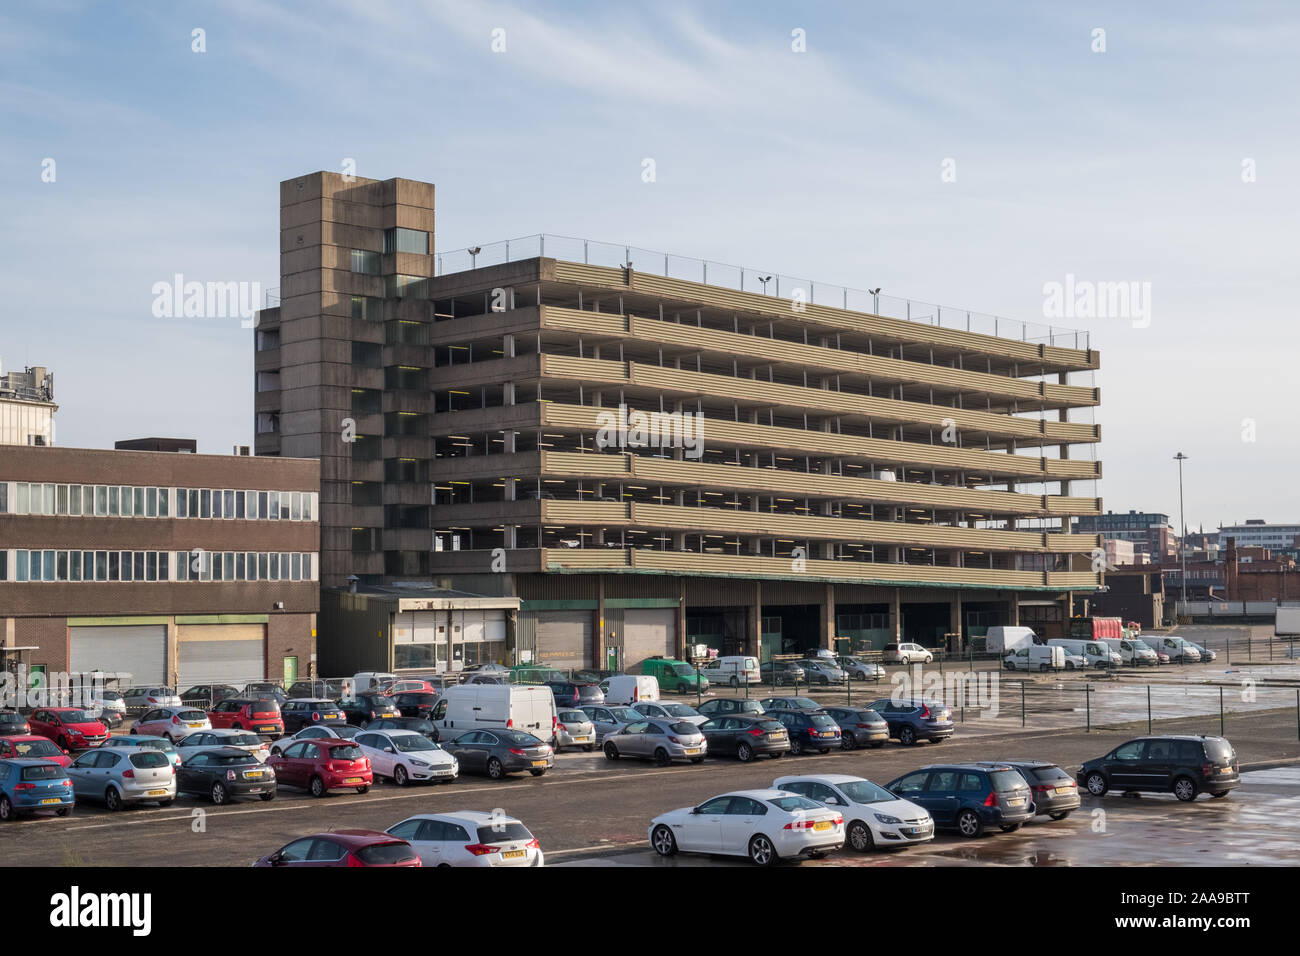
[[125, 501], [28, 566]]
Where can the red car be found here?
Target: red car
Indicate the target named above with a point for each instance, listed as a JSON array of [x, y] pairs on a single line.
[[69, 727], [260, 715], [344, 848], [322, 764], [27, 746]]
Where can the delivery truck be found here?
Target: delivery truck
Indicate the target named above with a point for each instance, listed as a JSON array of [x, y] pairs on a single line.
[[1003, 640]]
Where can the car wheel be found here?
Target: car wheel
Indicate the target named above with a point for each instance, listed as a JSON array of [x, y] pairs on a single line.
[[219, 793], [796, 746], [316, 787], [848, 742], [1059, 814], [907, 736], [969, 823], [364, 788], [538, 772], [63, 741], [1009, 827], [236, 727], [663, 841], [63, 811], [1096, 784], [267, 797], [1220, 795], [662, 758], [761, 850], [6, 809], [275, 751], [400, 776], [495, 770], [112, 799], [589, 747], [1185, 789], [860, 837], [683, 689], [744, 752], [611, 752]]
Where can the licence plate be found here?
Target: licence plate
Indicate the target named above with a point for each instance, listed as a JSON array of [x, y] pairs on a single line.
[[1227, 770], [691, 751], [195, 726], [539, 763], [51, 800], [156, 793], [351, 779], [776, 736], [253, 774], [1016, 802], [513, 854], [828, 733], [266, 730], [822, 825], [331, 716], [1064, 789], [580, 739]]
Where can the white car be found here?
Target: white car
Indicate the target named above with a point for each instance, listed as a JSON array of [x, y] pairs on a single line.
[[764, 825], [138, 699], [876, 818], [406, 755], [171, 722], [469, 838], [861, 670], [1077, 662], [670, 710], [906, 654], [202, 740], [346, 731]]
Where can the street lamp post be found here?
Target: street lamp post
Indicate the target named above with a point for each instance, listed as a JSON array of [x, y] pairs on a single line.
[[1182, 521]]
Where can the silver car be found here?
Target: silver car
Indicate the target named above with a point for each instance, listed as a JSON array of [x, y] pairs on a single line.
[[660, 740], [573, 728], [139, 699], [862, 670], [609, 719], [669, 710], [823, 672], [221, 739], [102, 775]]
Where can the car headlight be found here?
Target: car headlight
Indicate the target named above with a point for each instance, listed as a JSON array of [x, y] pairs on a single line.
[[886, 818], [418, 763]]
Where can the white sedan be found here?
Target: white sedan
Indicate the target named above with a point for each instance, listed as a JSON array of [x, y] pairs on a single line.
[[876, 817], [469, 838], [346, 731], [171, 722], [670, 710], [219, 739], [764, 825], [406, 755]]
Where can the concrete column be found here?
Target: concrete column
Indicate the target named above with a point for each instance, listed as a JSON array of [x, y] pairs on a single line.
[[755, 615], [173, 653], [826, 618], [681, 619], [598, 643], [955, 623], [1013, 609], [896, 615]]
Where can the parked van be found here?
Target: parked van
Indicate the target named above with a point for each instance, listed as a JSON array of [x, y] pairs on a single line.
[[1094, 652], [1132, 652], [626, 689], [1004, 640], [1179, 650], [467, 707], [1036, 657], [370, 680], [674, 674], [732, 671]]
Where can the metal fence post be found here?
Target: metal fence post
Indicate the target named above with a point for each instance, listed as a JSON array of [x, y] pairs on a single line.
[[1149, 708], [1087, 700], [699, 694], [1220, 710], [1022, 703]]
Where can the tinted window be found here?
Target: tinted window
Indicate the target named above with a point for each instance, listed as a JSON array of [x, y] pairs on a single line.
[[345, 752], [149, 760], [1007, 780], [265, 706], [192, 715], [795, 803], [864, 791], [1050, 774], [519, 737], [44, 771], [912, 783], [232, 760], [385, 853], [1218, 750], [822, 721], [503, 831]]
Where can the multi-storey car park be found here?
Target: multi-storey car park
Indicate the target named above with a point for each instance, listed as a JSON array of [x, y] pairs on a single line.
[[854, 475]]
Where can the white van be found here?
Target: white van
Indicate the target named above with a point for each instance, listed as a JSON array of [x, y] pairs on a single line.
[[369, 680], [1179, 650], [1036, 657], [1004, 640], [627, 689], [1132, 652], [732, 671], [467, 707], [1093, 651]]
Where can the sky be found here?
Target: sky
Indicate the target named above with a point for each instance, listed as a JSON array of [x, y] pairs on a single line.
[[958, 153]]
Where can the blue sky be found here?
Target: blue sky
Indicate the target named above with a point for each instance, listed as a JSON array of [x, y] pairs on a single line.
[[1117, 166]]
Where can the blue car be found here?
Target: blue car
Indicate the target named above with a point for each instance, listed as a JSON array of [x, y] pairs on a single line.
[[968, 797], [29, 785]]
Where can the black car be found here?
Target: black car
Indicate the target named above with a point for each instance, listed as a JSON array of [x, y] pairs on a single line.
[[1054, 792], [790, 703], [207, 696], [1182, 765], [414, 703], [968, 797], [860, 727], [570, 694], [265, 689], [328, 689], [727, 706], [13, 723], [421, 725], [499, 752], [809, 730], [368, 706], [781, 672], [225, 773], [913, 720], [303, 712], [746, 736]]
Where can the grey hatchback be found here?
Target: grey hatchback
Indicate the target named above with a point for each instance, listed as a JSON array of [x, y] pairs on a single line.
[[1055, 792], [661, 740]]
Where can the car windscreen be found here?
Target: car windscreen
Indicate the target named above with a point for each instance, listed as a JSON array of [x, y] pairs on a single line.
[[1218, 750], [625, 713], [518, 737], [805, 703], [235, 760], [1007, 780], [1051, 775], [346, 732], [344, 752], [35, 748], [379, 700], [864, 791], [75, 717], [380, 854], [683, 727], [572, 717], [410, 743], [191, 715], [43, 771], [155, 743], [795, 803], [149, 760], [678, 710], [771, 726], [824, 721], [266, 707], [683, 670], [502, 832], [242, 740]]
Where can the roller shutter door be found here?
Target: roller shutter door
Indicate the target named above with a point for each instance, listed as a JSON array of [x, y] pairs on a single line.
[[564, 638], [221, 654], [139, 650], [648, 633]]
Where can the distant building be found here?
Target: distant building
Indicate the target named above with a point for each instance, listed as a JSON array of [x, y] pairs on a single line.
[[1153, 537], [1119, 552], [1256, 533], [27, 407]]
